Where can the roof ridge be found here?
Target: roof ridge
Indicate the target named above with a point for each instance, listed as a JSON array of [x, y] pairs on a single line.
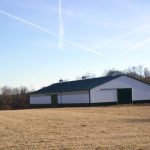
[[88, 79], [76, 85]]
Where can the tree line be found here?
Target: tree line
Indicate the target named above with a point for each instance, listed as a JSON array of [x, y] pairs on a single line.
[[14, 98], [138, 72], [18, 98]]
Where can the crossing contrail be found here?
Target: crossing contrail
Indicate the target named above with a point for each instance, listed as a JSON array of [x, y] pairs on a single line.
[[27, 22], [120, 37], [61, 28], [49, 32], [134, 48]]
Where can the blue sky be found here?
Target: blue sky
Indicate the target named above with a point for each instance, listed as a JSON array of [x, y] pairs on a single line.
[[39, 43]]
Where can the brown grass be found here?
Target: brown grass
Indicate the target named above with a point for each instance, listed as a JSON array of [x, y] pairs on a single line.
[[100, 128]]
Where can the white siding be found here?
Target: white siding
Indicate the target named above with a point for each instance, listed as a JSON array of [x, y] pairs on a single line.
[[140, 90], [40, 99], [74, 97], [105, 96]]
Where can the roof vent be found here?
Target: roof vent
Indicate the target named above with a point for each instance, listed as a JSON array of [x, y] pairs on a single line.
[[60, 81], [84, 77]]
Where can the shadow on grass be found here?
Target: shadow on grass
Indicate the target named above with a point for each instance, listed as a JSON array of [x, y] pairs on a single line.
[[145, 120]]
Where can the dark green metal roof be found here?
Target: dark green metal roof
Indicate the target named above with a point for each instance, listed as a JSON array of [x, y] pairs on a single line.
[[78, 85]]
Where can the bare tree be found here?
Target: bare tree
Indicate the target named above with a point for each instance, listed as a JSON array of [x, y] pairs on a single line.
[[14, 98], [5, 98], [138, 72], [112, 72], [135, 71], [6, 90], [146, 73], [87, 75]]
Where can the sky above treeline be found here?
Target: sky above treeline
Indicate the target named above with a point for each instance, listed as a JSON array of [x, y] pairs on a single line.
[[42, 41]]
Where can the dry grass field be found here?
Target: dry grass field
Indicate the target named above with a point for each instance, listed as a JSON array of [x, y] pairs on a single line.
[[99, 128]]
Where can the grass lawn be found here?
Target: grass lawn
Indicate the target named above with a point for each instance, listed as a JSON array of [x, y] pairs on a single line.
[[100, 128]]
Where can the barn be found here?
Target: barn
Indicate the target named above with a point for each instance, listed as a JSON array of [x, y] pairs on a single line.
[[119, 89]]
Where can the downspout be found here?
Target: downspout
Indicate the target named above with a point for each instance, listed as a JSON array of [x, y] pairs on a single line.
[[132, 96], [61, 98], [89, 97], [117, 96]]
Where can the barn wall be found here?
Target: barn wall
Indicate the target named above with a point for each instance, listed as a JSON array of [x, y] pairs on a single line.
[[39, 99], [140, 90], [105, 96], [74, 97]]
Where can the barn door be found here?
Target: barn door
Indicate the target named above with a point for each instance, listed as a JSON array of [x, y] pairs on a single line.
[[124, 96], [54, 100]]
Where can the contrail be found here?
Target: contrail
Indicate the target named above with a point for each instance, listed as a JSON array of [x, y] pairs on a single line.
[[49, 32], [61, 28], [120, 37], [27, 22], [134, 47]]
